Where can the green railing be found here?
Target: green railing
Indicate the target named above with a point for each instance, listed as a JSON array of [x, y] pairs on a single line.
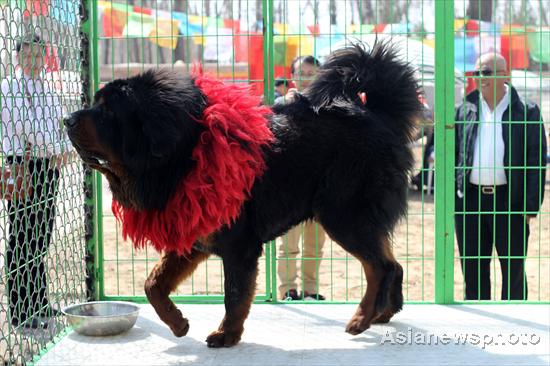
[[444, 162], [269, 35]]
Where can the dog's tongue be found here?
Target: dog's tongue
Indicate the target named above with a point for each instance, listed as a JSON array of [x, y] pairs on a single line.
[[228, 159]]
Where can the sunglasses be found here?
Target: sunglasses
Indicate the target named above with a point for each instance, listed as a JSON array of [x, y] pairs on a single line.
[[485, 72]]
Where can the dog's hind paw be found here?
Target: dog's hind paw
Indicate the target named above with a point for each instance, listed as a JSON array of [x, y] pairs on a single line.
[[383, 318], [219, 339], [181, 328], [357, 325]]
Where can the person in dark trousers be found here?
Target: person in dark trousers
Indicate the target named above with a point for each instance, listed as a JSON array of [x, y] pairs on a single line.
[[33, 145], [303, 70], [500, 176], [420, 180]]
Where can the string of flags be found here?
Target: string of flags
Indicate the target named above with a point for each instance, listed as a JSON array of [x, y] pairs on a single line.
[[519, 44]]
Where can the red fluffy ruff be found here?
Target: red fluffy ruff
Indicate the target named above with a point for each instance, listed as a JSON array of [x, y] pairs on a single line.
[[212, 194]]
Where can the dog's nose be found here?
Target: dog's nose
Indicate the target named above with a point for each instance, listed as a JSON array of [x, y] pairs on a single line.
[[69, 120]]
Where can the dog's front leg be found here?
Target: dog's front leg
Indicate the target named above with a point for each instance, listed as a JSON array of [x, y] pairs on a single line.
[[240, 273], [164, 278]]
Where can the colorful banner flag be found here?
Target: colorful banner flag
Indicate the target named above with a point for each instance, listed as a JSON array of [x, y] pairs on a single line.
[[465, 53], [539, 44], [114, 22], [360, 29], [186, 26], [165, 33], [513, 46], [139, 25]]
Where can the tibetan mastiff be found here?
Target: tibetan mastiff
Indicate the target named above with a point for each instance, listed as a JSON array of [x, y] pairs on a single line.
[[200, 167]]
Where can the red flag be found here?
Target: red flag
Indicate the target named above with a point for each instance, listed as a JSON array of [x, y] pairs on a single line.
[[139, 9], [234, 24], [314, 29], [379, 28]]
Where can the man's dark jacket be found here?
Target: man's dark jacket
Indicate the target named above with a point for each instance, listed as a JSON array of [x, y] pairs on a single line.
[[524, 146]]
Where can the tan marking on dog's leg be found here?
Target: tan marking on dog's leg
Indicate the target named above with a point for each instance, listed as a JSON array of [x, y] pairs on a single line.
[[163, 279], [366, 310], [396, 291]]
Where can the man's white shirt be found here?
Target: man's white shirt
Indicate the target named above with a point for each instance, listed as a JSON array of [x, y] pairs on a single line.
[[31, 116], [488, 162]]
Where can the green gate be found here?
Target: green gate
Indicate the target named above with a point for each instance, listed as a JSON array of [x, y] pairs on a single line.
[[254, 42]]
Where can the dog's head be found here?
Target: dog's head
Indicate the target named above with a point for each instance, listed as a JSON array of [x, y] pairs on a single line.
[[140, 133]]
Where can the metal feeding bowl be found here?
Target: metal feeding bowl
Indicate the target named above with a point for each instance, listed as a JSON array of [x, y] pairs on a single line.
[[102, 318]]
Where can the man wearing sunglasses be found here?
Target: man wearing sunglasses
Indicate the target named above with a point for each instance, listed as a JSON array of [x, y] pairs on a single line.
[[500, 176]]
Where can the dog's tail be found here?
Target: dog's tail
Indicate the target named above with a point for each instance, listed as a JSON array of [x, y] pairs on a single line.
[[376, 81]]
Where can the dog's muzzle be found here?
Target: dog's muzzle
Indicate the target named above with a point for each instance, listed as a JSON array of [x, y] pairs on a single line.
[[70, 121]]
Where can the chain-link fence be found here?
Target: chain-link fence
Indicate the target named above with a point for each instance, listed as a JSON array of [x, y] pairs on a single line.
[[42, 214]]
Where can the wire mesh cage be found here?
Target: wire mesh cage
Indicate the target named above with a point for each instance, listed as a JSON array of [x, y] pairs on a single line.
[[502, 220], [134, 36], [42, 219], [261, 43], [303, 39]]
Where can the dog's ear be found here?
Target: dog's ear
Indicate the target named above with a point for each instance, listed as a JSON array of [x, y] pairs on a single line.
[[162, 134], [170, 106]]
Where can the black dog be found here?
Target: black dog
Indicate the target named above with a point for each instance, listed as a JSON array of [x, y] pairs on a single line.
[[338, 154]]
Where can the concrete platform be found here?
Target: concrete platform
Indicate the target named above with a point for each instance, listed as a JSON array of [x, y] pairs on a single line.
[[314, 335]]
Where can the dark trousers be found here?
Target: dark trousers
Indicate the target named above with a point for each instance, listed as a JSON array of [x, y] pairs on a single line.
[[422, 177], [31, 225], [477, 232]]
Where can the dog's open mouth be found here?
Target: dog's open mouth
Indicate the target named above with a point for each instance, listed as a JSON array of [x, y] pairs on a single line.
[[96, 161]]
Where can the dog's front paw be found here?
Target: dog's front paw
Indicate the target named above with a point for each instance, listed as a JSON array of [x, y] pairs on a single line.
[[180, 328], [219, 339], [357, 325]]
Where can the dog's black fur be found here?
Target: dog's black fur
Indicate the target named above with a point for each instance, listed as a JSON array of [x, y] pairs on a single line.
[[334, 159]]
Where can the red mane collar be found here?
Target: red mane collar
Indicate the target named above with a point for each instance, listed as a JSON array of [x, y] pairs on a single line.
[[211, 195]]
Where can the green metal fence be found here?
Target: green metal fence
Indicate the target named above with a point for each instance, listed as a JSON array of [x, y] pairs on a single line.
[[255, 42], [43, 225], [89, 43]]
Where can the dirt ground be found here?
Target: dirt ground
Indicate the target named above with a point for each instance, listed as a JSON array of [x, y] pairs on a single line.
[[340, 276]]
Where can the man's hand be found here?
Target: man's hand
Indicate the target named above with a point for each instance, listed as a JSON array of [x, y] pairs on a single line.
[[60, 160], [528, 218], [15, 186], [291, 94]]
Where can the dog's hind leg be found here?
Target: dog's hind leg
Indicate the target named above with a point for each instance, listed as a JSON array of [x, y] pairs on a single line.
[[396, 296], [163, 279], [240, 269], [383, 297]]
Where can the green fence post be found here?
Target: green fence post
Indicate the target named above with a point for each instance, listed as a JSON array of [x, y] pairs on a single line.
[[444, 151], [269, 96], [92, 184]]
